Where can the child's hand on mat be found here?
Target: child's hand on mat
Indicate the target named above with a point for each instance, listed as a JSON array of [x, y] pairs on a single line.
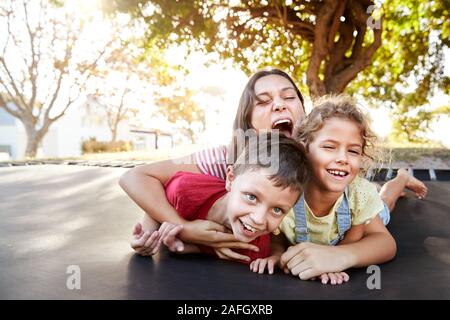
[[211, 234], [308, 260], [145, 243], [228, 254], [169, 236], [259, 265], [333, 277]]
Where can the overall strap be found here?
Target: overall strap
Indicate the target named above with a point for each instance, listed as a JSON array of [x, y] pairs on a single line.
[[344, 218], [301, 228]]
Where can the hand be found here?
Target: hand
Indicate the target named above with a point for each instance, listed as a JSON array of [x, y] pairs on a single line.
[[212, 234], [307, 260], [145, 243], [333, 277], [169, 236], [228, 254], [259, 265]]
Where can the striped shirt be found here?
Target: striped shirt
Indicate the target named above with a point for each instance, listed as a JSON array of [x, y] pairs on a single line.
[[212, 161]]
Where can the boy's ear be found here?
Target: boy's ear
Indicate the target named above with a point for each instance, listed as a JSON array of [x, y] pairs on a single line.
[[230, 178], [305, 146]]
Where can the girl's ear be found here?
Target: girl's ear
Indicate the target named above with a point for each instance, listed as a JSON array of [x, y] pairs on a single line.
[[230, 178]]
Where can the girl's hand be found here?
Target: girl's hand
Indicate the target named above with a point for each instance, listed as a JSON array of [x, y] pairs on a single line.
[[334, 278], [211, 234], [307, 260], [259, 265]]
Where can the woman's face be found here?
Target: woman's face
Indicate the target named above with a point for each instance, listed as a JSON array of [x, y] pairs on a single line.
[[278, 106]]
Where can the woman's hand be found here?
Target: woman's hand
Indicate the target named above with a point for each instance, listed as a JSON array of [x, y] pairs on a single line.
[[145, 243]]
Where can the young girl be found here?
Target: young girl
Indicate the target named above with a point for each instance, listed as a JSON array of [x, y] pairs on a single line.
[[338, 205]]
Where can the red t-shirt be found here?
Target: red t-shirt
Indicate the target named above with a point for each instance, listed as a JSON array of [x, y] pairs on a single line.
[[193, 194]]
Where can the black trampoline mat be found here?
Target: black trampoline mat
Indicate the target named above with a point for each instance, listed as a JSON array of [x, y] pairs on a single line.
[[55, 216]]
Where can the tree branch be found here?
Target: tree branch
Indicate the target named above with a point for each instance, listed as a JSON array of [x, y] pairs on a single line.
[[34, 58], [13, 84], [4, 105], [342, 78], [335, 24], [320, 47]]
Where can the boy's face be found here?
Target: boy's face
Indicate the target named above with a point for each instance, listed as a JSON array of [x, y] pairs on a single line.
[[255, 205], [335, 155]]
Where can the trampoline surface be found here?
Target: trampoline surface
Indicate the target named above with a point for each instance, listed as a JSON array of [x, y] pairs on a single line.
[[56, 216]]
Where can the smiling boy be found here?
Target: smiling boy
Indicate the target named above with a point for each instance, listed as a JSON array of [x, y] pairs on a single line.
[[251, 202]]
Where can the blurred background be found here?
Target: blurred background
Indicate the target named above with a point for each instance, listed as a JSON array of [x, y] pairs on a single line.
[[136, 79]]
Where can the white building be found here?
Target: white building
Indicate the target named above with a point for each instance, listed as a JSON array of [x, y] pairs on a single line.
[[65, 136]]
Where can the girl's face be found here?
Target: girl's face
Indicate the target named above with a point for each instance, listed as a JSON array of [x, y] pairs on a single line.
[[255, 206], [335, 154], [278, 105]]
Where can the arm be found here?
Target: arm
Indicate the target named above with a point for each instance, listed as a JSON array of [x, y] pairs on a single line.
[[308, 260], [139, 181], [376, 246], [145, 186]]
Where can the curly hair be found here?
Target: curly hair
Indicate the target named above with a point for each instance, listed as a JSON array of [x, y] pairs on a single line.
[[343, 107]]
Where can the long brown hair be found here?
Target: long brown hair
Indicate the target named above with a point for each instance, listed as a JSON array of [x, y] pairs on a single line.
[[242, 121]]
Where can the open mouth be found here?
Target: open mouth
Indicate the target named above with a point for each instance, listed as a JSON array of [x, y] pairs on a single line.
[[285, 126], [340, 174], [248, 228]]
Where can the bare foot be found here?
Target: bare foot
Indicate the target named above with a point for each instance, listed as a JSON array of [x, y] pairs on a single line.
[[414, 184]]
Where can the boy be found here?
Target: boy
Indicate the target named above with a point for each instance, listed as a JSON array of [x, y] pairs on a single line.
[[251, 202]]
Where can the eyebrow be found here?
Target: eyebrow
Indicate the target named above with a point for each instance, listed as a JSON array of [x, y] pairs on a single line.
[[282, 90], [258, 194], [334, 141]]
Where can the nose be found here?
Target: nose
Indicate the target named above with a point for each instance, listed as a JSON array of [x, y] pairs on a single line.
[[278, 104], [259, 216], [342, 156]]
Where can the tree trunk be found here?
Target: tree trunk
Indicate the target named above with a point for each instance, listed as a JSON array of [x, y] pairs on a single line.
[[34, 137], [33, 141], [114, 133]]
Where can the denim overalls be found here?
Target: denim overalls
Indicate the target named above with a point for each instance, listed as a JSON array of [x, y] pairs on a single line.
[[344, 220]]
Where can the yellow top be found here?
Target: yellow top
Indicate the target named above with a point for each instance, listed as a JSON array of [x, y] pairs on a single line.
[[364, 201]]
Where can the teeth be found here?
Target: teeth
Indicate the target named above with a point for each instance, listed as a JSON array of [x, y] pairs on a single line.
[[338, 172], [248, 227], [281, 121]]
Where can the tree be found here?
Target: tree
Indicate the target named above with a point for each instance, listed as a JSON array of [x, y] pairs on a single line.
[[325, 43], [43, 64], [126, 78], [178, 105]]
